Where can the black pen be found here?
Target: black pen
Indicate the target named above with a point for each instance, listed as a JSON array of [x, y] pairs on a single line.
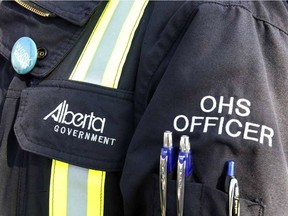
[[167, 164]]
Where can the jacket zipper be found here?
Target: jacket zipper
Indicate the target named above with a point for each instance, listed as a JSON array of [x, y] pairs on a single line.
[[29, 5]]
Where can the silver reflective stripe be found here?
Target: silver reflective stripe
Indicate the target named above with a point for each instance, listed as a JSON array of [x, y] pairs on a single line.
[[107, 44], [100, 63], [77, 191]]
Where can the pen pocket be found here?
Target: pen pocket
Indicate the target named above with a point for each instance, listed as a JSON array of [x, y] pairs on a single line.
[[202, 200]]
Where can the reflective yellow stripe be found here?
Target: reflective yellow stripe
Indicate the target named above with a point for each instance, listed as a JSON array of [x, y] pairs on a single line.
[[114, 67], [90, 49], [58, 189], [95, 189], [109, 78]]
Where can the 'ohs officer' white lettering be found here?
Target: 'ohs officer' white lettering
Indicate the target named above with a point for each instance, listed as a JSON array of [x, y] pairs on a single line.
[[232, 127]]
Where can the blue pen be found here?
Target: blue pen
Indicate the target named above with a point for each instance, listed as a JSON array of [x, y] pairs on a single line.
[[167, 165], [232, 188], [184, 171], [230, 174]]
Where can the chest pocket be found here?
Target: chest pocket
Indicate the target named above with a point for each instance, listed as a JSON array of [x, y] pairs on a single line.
[[81, 124], [78, 119]]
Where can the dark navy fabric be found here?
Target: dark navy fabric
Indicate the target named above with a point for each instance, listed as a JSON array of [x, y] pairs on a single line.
[[94, 135], [25, 177], [55, 34], [215, 71], [77, 13]]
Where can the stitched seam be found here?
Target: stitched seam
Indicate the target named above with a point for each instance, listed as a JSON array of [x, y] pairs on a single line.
[[92, 85], [57, 58], [253, 15], [13, 94], [12, 97], [154, 198], [128, 46], [191, 15], [53, 189], [79, 86], [71, 12], [259, 211], [151, 76], [101, 193], [91, 92], [6, 51], [21, 193], [202, 199], [28, 138], [18, 207], [17, 91]]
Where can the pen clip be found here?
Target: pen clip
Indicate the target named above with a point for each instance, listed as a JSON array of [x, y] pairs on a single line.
[[181, 167], [163, 181], [234, 200]]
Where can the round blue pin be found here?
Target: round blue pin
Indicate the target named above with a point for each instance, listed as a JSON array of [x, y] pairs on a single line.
[[24, 55]]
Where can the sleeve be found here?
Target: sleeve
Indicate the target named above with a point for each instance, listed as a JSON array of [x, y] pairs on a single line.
[[217, 73]]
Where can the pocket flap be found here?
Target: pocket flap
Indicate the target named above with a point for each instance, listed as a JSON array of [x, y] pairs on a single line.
[[77, 13], [86, 125]]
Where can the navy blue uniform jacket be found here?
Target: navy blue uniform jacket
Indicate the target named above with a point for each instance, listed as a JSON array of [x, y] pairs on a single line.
[[216, 71]]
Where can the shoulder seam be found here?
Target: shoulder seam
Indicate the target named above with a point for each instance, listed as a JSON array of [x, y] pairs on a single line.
[[257, 18]]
